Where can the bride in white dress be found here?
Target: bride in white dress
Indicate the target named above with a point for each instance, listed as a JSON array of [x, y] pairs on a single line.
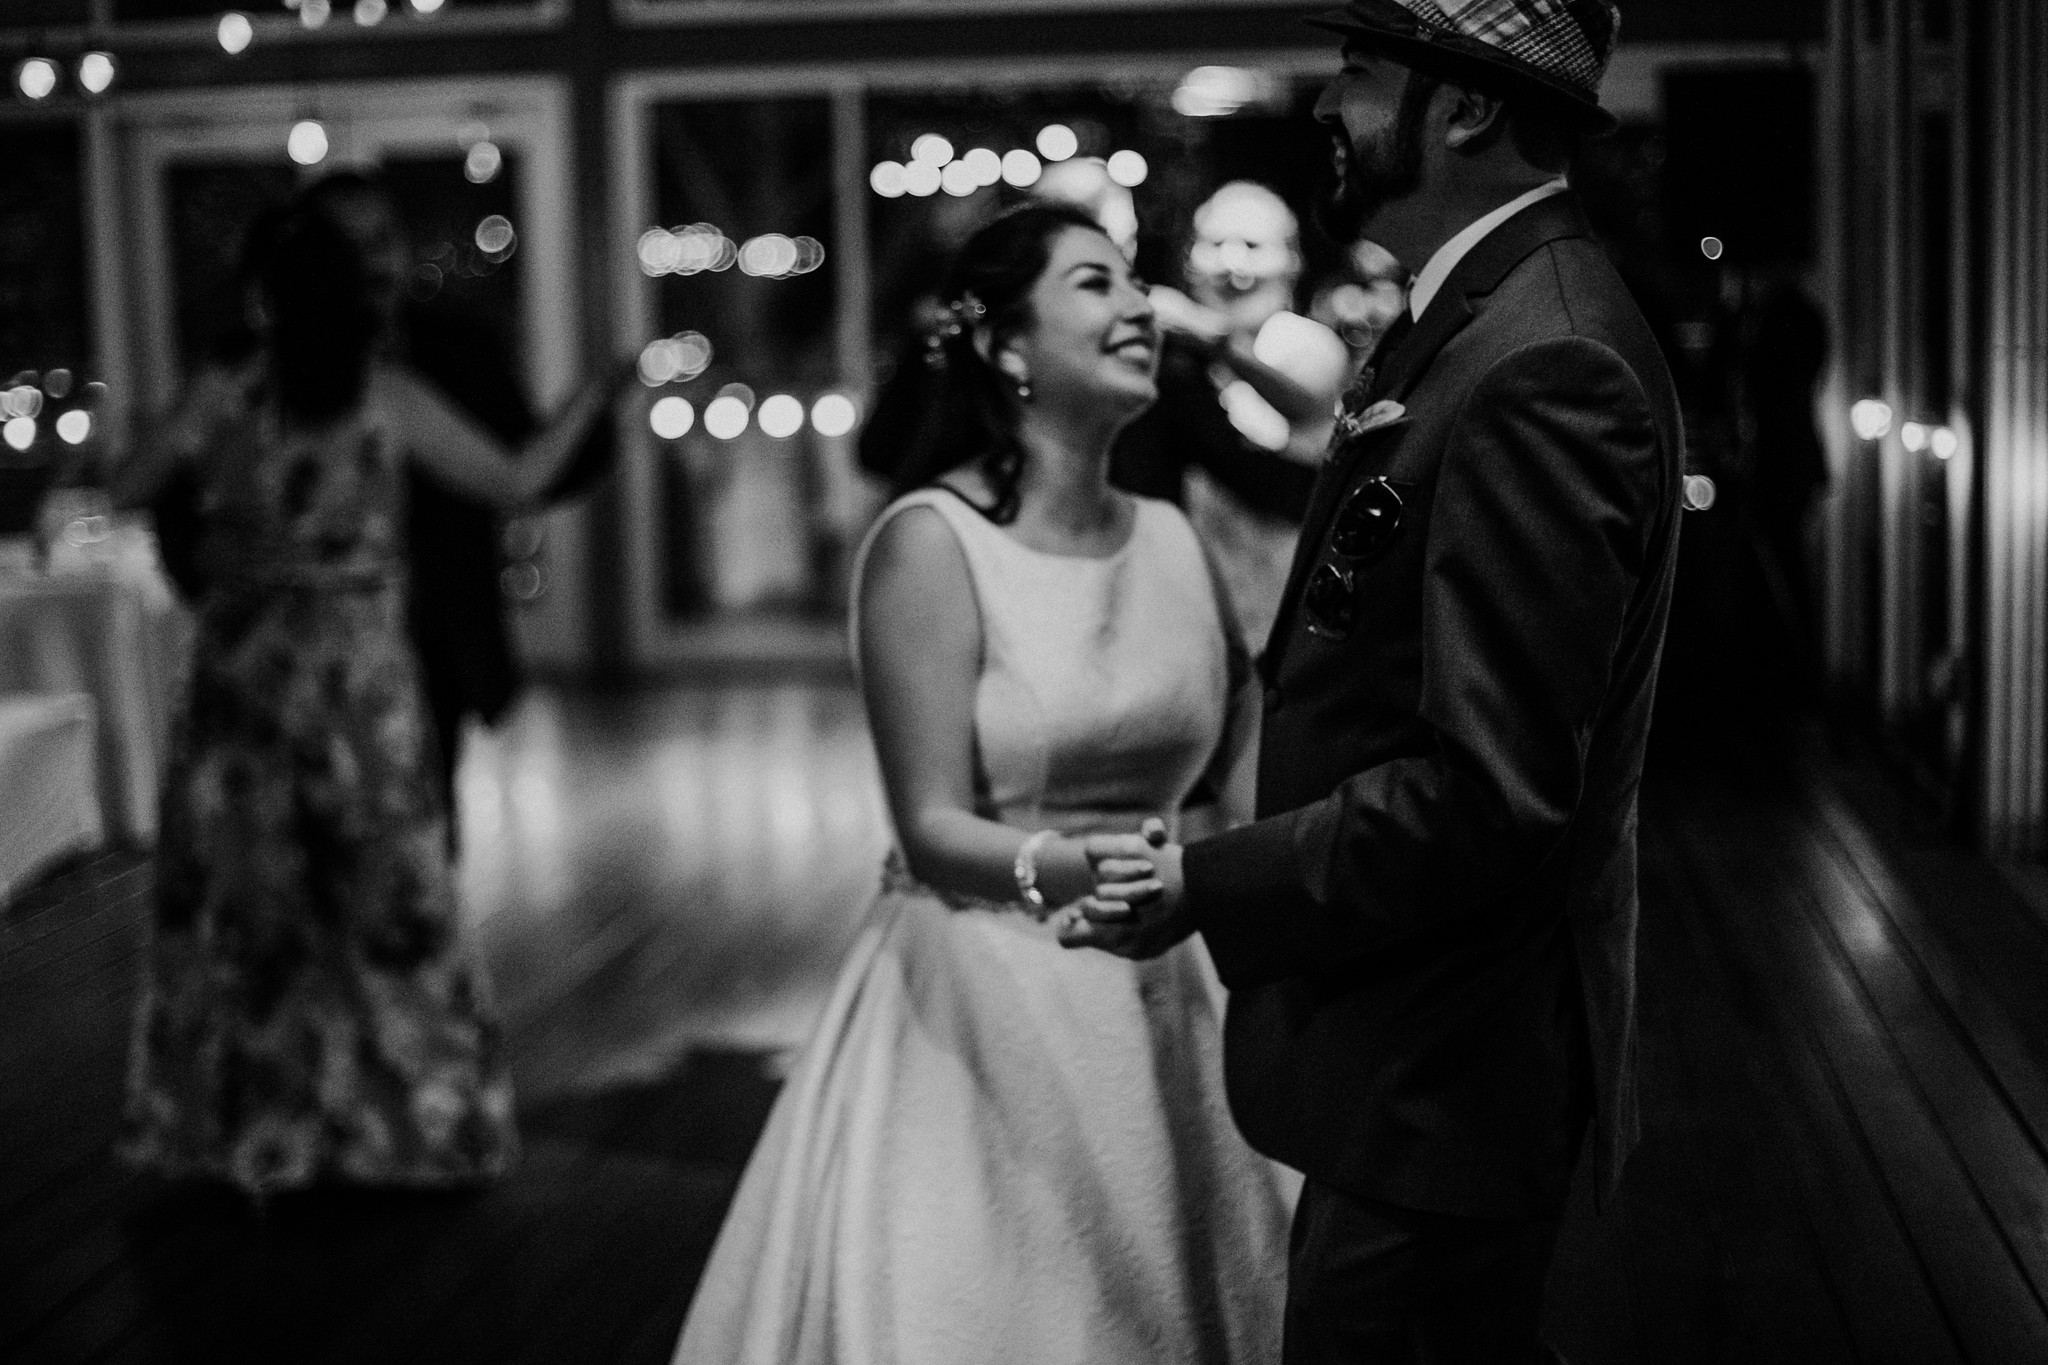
[[994, 1149]]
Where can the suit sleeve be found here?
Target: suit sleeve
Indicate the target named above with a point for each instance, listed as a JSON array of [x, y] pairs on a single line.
[[1541, 519]]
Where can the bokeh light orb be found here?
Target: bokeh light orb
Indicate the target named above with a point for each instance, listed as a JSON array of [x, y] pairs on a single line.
[[96, 72], [771, 256], [522, 582], [19, 432], [886, 179], [1219, 91], [74, 426], [425, 6], [370, 13], [494, 235], [1943, 443], [235, 32], [932, 150], [692, 351], [307, 142], [958, 179], [833, 415], [483, 161], [36, 78], [314, 13], [781, 415], [725, 416], [23, 400], [671, 418], [1021, 169], [985, 164], [921, 178], [1699, 493], [1128, 168], [657, 363], [1870, 418], [1913, 436], [1712, 248], [1057, 142]]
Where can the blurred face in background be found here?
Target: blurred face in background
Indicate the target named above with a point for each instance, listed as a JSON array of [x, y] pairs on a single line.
[[1092, 339], [369, 220], [1246, 257]]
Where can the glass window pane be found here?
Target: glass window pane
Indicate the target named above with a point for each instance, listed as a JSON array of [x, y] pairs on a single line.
[[211, 207], [1271, 138], [43, 312], [465, 240], [743, 252], [42, 250]]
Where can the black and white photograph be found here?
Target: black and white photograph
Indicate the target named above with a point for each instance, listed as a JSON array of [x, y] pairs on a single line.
[[1024, 682]]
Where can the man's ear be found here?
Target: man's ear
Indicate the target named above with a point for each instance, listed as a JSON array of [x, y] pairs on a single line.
[[1476, 119]]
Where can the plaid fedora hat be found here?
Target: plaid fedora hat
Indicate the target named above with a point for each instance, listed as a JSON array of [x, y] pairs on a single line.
[[1554, 48]]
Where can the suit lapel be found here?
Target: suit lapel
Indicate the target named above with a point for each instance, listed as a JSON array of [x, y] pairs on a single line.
[[1403, 366]]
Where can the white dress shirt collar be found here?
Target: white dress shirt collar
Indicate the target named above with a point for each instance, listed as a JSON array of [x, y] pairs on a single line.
[[1450, 253]]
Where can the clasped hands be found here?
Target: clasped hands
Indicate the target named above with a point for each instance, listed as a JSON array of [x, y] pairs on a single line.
[[1138, 908]]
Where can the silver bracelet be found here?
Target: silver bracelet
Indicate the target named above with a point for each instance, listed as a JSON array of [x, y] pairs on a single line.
[[1026, 868]]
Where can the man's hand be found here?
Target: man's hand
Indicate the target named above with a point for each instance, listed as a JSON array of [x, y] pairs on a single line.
[[1139, 908]]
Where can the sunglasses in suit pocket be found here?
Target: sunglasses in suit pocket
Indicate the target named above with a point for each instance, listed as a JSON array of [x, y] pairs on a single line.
[[1368, 522]]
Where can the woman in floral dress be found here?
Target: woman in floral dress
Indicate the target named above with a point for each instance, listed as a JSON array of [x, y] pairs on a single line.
[[311, 1011]]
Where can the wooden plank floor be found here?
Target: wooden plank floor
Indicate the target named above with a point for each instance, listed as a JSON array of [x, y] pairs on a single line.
[[1844, 1053]]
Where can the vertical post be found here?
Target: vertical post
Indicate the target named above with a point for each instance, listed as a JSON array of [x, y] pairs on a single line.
[[113, 349], [853, 268], [1898, 522], [2030, 353], [1965, 525], [593, 39], [1833, 134], [2015, 430], [1997, 437]]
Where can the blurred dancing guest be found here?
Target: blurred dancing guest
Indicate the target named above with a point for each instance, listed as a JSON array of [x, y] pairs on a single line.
[[992, 1150], [1243, 268], [456, 611], [1429, 933], [311, 1010]]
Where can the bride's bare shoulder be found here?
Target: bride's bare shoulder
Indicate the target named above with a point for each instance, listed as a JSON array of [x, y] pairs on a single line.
[[912, 549]]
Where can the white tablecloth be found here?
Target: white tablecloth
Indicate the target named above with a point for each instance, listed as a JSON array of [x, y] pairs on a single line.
[[114, 631], [49, 803]]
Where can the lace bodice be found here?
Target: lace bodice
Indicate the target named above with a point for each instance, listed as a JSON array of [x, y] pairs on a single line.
[[1104, 682]]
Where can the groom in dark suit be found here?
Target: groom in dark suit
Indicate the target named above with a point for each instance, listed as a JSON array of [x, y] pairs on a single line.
[[1429, 933]]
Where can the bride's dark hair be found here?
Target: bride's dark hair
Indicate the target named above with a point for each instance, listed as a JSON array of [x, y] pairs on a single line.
[[972, 411]]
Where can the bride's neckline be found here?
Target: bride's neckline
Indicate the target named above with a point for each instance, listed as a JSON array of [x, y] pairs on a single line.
[[1130, 532]]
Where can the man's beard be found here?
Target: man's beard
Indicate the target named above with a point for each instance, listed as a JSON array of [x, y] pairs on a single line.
[[1377, 171]]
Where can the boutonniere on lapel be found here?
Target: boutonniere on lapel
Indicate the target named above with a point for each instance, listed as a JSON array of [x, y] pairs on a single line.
[[1355, 422]]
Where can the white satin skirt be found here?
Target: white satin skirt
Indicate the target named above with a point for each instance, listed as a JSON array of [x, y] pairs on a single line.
[[996, 1149]]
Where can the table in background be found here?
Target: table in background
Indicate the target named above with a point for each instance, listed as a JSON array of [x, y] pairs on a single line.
[[49, 802], [107, 625]]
